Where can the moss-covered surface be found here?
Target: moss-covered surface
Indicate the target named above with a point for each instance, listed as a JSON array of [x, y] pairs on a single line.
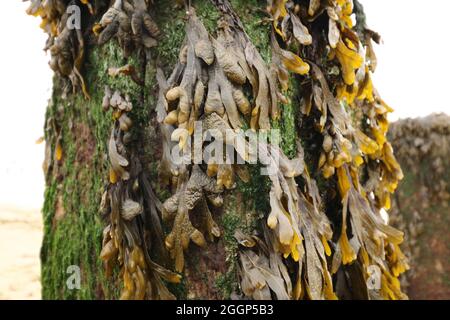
[[238, 214], [72, 224], [256, 24], [287, 123], [171, 22], [73, 228], [247, 205]]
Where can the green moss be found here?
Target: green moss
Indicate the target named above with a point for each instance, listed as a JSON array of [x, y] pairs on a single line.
[[256, 190], [100, 59], [242, 215], [208, 14], [226, 283], [170, 21], [74, 237], [79, 185], [287, 122], [231, 220], [256, 26], [48, 214], [73, 240]]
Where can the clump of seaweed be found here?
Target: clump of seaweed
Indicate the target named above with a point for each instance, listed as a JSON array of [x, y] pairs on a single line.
[[341, 90], [133, 238], [65, 43], [131, 23]]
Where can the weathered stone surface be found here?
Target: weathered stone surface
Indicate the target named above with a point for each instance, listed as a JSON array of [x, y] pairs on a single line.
[[421, 206]]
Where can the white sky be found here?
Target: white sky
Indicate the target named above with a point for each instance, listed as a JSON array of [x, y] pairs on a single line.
[[414, 61], [412, 77], [25, 82]]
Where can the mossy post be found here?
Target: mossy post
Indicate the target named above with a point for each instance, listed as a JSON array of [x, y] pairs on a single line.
[[75, 182], [123, 220]]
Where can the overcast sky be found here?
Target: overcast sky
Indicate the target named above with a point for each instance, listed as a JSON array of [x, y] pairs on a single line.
[[412, 77], [414, 60]]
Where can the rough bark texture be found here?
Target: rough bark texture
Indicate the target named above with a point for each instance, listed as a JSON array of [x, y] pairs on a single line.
[[421, 205]]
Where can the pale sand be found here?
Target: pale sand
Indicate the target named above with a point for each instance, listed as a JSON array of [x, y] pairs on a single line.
[[20, 243]]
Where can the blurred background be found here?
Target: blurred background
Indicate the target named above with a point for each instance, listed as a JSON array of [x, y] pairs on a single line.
[[412, 77]]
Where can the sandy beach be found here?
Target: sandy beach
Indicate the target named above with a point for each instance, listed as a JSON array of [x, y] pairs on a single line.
[[20, 242]]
